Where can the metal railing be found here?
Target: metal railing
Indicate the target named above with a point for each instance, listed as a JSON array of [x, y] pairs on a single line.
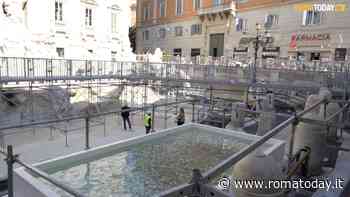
[[202, 180], [201, 188], [187, 189], [87, 118], [217, 8], [11, 159], [39, 69], [43, 71]]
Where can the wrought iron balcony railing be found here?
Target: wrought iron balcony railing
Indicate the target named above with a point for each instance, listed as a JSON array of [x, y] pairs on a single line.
[[221, 8]]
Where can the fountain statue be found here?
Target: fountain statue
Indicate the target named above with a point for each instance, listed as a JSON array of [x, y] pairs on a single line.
[[157, 56], [14, 37]]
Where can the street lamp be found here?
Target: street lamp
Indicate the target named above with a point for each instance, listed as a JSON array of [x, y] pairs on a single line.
[[262, 38]]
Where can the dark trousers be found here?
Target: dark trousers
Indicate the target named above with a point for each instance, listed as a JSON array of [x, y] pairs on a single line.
[[126, 119], [180, 123], [148, 130]]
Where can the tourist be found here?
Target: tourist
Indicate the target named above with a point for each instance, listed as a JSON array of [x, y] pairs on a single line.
[[148, 122], [180, 119], [125, 115]]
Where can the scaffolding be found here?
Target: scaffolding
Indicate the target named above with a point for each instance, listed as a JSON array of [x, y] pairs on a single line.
[[134, 82]]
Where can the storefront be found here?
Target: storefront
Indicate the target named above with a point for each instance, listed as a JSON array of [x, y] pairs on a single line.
[[310, 47], [240, 54], [340, 54], [270, 56]]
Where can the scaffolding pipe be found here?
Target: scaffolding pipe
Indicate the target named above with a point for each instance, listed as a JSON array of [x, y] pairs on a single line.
[[87, 133], [306, 120], [90, 116], [153, 115], [10, 161], [193, 111], [330, 118], [291, 140]]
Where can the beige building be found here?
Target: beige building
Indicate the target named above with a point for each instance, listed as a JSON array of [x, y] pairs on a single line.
[[132, 14], [222, 28], [297, 34], [184, 27]]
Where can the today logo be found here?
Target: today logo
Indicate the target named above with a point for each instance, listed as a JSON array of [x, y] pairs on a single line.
[[321, 7]]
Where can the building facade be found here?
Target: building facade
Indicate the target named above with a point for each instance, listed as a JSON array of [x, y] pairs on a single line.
[[132, 14], [229, 27], [184, 27], [73, 29]]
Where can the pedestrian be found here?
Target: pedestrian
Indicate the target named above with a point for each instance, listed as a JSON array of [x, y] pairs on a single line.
[[148, 122], [125, 115], [180, 119]]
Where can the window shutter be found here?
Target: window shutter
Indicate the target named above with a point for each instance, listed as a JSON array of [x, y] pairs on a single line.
[[238, 24], [304, 17]]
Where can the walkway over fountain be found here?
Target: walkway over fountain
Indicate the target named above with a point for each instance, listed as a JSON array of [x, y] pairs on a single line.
[[40, 70]]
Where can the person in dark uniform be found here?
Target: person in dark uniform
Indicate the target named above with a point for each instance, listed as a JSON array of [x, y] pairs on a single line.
[[180, 119], [125, 115]]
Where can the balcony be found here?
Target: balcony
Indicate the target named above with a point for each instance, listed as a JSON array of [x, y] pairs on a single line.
[[226, 8]]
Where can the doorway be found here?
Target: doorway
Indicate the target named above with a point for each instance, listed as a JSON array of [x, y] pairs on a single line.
[[216, 48]]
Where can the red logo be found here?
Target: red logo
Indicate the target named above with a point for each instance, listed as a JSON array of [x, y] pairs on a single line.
[[293, 42]]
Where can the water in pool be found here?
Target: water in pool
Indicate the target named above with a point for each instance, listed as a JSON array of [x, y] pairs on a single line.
[[147, 169]]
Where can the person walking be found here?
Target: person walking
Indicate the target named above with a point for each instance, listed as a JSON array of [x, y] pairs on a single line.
[[148, 122], [125, 115], [180, 119]]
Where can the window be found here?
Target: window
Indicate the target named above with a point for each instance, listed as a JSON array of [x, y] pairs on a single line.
[[195, 52], [88, 17], [311, 18], [178, 31], [114, 56], [177, 52], [196, 29], [145, 35], [162, 33], [241, 25], [60, 52], [315, 56], [58, 11], [146, 12], [179, 7], [300, 56], [216, 2], [271, 20], [196, 4], [114, 22], [162, 8]]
